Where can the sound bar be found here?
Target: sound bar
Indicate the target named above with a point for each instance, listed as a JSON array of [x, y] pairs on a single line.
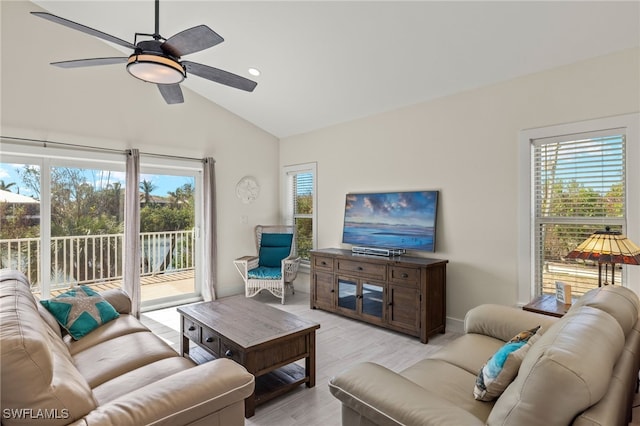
[[373, 251]]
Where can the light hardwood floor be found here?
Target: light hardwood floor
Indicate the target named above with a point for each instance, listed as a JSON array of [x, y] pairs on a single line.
[[340, 342]]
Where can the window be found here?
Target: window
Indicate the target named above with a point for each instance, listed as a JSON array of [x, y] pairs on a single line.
[[299, 205], [579, 187], [62, 221], [577, 183]]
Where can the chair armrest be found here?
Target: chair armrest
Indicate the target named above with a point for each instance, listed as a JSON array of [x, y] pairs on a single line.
[[387, 398], [244, 264], [249, 262], [290, 267], [119, 299], [504, 322], [181, 398]]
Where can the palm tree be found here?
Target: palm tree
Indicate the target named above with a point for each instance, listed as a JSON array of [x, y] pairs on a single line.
[[5, 186], [146, 186]]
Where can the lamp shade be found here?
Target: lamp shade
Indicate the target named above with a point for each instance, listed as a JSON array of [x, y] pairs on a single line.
[[154, 68], [607, 247]]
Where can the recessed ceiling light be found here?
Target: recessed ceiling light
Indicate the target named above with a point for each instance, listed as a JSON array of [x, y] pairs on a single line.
[[254, 71]]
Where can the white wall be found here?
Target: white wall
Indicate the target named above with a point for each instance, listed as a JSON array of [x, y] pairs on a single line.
[[104, 106], [465, 146]]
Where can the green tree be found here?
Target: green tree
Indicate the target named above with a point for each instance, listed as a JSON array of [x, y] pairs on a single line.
[[147, 187]]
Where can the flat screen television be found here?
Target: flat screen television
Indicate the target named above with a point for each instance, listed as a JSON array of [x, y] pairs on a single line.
[[391, 220]]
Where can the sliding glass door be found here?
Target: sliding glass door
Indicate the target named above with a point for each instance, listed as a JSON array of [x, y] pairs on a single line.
[[62, 223], [169, 220]]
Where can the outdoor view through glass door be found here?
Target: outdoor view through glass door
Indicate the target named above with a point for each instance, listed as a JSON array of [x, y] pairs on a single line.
[[168, 240], [78, 213]]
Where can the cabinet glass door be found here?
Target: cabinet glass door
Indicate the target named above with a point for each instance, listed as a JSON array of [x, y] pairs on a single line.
[[347, 294], [372, 299]]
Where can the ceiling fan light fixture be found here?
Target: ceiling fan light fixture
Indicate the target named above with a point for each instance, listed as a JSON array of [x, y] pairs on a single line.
[[155, 69]]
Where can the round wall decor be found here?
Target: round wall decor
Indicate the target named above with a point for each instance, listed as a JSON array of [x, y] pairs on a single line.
[[247, 189]]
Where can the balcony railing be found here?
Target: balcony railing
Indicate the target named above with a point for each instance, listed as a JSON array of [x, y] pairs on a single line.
[[90, 259]]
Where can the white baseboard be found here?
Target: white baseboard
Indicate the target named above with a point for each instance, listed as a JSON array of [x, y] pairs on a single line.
[[454, 324]]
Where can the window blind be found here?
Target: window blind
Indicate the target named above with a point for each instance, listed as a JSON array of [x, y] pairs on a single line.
[[579, 187]]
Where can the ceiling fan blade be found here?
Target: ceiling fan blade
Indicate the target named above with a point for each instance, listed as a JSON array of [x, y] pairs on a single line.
[[83, 28], [171, 93], [220, 76], [191, 40], [78, 63]]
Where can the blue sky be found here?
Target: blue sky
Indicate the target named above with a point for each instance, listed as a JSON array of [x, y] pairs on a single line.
[[163, 183]]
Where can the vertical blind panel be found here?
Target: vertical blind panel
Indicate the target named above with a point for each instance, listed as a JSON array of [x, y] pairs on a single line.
[[579, 187]]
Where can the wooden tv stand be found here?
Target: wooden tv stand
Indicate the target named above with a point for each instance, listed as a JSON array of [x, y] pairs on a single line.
[[401, 293]]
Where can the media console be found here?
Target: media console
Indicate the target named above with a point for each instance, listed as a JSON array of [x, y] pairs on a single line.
[[401, 293]]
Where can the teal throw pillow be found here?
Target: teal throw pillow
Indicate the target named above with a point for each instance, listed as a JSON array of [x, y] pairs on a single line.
[[80, 310], [274, 248], [503, 366]]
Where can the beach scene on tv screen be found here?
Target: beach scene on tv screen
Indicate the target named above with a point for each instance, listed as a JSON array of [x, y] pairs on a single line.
[[391, 220]]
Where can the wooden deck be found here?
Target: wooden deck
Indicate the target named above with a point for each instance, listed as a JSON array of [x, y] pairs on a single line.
[[152, 286]]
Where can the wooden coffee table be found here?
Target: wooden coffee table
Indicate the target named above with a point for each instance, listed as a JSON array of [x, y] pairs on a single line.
[[265, 340]]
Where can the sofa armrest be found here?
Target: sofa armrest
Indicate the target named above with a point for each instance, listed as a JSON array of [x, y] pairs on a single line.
[[504, 322], [119, 299], [387, 398], [181, 398]]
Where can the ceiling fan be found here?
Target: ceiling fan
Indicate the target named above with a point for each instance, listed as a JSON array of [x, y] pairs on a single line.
[[156, 59]]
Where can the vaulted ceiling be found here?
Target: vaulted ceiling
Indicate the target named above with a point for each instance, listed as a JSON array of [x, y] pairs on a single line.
[[326, 62]]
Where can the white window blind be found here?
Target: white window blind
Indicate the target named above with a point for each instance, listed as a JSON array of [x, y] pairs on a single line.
[[578, 188]]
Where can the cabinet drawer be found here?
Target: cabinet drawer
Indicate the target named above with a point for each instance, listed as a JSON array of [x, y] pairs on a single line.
[[191, 329], [402, 275], [323, 263], [211, 340], [228, 350], [374, 270]]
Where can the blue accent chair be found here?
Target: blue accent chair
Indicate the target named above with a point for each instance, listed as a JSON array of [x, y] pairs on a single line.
[[276, 265]]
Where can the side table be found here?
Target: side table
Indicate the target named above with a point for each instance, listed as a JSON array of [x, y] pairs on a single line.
[[547, 304]]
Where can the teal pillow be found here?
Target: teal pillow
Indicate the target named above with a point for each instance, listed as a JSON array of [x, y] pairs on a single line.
[[503, 366], [80, 310], [274, 248]]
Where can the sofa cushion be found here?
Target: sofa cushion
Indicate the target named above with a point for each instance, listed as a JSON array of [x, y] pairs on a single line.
[[458, 351], [450, 383], [80, 310], [124, 324], [112, 358], [135, 379], [566, 371], [502, 367]]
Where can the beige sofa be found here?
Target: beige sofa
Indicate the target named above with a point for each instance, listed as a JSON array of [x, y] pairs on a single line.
[[119, 374], [581, 370]]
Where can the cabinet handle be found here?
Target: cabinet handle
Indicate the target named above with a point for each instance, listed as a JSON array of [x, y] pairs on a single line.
[[209, 339], [405, 275], [390, 304], [228, 353], [333, 291], [360, 268], [324, 263], [192, 327]]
